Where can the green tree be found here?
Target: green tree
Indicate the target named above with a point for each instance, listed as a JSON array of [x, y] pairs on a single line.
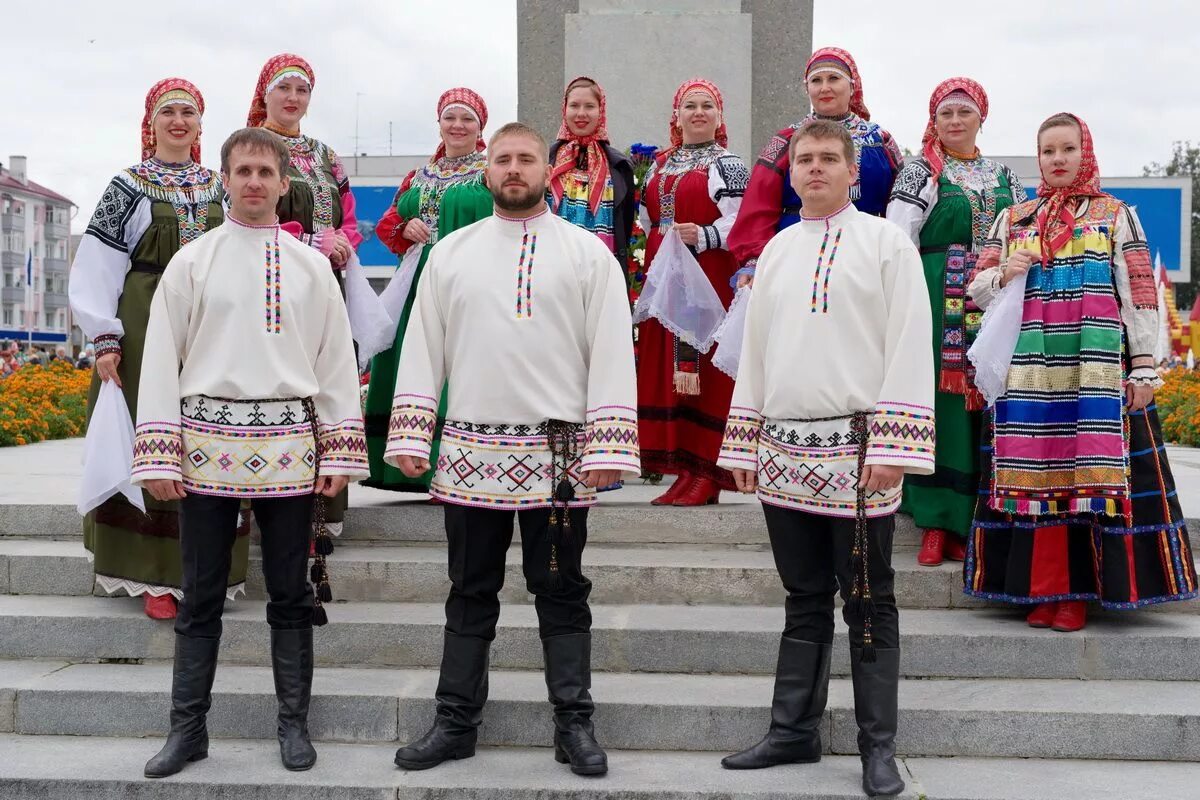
[[1185, 162]]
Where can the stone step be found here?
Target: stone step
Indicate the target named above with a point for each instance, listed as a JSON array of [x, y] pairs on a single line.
[[43, 767], [409, 521], [1032, 718], [414, 521], [978, 643], [621, 574]]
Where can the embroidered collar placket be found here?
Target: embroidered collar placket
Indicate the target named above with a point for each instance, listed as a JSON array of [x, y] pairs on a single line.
[[526, 258], [828, 250]]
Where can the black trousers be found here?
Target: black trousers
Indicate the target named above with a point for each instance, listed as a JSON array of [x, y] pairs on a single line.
[[478, 541], [207, 526], [812, 554]]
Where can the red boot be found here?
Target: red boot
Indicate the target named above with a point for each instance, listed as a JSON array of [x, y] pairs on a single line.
[[699, 492], [674, 490], [932, 543], [1043, 616], [1071, 616], [954, 548], [159, 607]]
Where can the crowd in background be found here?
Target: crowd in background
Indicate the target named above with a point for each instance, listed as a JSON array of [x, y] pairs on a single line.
[[14, 356]]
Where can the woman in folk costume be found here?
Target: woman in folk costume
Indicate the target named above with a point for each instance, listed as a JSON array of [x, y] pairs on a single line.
[[318, 208], [946, 201], [446, 194], [591, 182], [835, 90], [695, 187], [1078, 501], [146, 214]]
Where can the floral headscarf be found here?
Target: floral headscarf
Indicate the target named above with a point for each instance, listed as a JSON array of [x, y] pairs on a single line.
[[931, 145], [284, 65], [836, 58], [462, 97], [169, 91], [1056, 222], [686, 88], [573, 144]]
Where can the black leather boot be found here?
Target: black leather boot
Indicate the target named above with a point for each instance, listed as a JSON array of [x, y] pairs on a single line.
[[875, 709], [801, 692], [462, 691], [191, 697], [569, 681], [292, 663]]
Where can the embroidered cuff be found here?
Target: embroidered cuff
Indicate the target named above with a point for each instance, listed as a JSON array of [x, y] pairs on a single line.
[[157, 452], [342, 449], [902, 435], [411, 427], [748, 269], [739, 448], [611, 440], [710, 238], [107, 343]]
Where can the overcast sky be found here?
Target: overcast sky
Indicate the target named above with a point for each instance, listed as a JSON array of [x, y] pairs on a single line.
[[76, 72]]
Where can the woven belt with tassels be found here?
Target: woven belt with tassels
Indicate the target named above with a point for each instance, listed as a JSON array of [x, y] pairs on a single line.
[[563, 440], [860, 590], [319, 572]]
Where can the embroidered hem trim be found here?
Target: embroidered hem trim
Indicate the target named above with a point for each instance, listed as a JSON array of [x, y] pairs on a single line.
[[111, 586], [502, 466]]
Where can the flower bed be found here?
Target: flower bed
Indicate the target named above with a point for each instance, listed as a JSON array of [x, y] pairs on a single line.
[[39, 403], [1178, 404]]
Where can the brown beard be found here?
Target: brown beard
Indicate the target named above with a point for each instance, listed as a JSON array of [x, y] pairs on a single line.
[[522, 202]]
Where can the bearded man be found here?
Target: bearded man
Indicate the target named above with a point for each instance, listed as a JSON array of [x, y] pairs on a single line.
[[525, 320]]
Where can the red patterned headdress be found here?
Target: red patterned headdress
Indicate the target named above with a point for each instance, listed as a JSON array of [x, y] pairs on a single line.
[[568, 152], [463, 97], [164, 93], [686, 88], [1056, 222], [276, 69], [836, 57], [931, 146]]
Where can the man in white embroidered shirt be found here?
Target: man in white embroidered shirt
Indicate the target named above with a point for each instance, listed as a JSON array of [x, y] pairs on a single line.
[[246, 398], [523, 317], [833, 404]]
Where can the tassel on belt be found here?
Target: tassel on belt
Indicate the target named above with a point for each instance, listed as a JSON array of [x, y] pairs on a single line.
[[319, 572], [563, 440]]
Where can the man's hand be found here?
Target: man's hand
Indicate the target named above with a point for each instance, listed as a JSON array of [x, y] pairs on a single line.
[[746, 480], [599, 478], [165, 490], [881, 477], [413, 467], [689, 232], [1138, 397], [745, 280], [106, 367], [415, 230], [330, 485], [1018, 264]]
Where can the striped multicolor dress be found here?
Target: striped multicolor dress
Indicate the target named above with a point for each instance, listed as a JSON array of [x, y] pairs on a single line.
[[1077, 500]]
